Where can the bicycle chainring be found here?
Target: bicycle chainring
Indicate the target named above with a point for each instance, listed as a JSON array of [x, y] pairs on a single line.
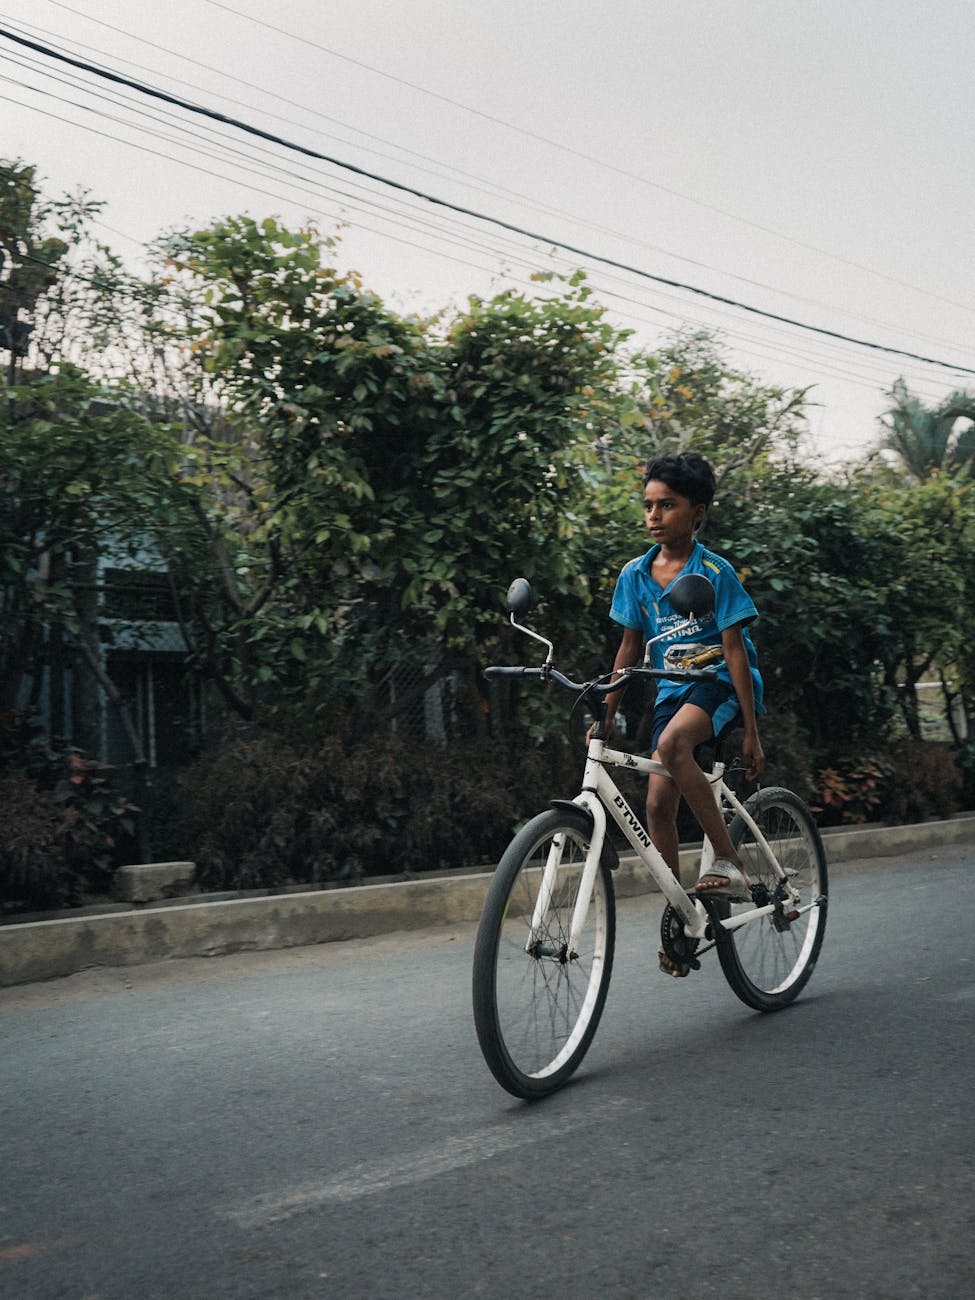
[[675, 943]]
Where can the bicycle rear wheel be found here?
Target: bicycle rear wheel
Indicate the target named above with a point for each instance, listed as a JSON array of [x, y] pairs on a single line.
[[537, 1004], [768, 961]]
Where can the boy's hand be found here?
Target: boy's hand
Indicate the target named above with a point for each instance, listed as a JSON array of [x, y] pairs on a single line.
[[753, 755], [608, 728]]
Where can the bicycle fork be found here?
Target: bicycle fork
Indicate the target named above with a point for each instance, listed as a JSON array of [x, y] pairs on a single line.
[[539, 941]]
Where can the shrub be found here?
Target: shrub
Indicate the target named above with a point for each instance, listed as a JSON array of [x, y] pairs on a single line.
[[264, 809], [789, 758], [33, 873], [61, 823], [966, 763], [925, 781], [913, 781], [851, 793]]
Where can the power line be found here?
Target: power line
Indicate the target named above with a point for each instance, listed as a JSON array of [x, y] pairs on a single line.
[[213, 115], [481, 185], [262, 168], [256, 189], [573, 152], [491, 188], [822, 366]]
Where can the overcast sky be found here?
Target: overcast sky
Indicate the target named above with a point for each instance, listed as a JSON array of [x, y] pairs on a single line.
[[812, 158]]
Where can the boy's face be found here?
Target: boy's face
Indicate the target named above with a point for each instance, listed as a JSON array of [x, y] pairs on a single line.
[[670, 518]]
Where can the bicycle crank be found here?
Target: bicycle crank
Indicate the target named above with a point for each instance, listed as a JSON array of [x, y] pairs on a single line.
[[676, 944]]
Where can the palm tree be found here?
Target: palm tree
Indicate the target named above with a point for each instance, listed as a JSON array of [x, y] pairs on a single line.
[[927, 440]]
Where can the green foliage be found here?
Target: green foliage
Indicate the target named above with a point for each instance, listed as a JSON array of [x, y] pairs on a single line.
[[685, 396], [77, 471], [393, 474], [926, 781], [62, 826], [51, 289], [77, 465], [270, 808], [861, 588], [927, 440], [29, 259], [853, 793], [347, 492], [511, 473]]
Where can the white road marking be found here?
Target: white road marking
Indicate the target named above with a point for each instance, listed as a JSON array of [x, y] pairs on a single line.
[[373, 1177]]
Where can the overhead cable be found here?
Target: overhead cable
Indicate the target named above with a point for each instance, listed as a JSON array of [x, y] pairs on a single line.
[[258, 132], [470, 180], [566, 148]]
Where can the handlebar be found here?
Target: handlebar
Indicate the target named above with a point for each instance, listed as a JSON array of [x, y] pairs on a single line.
[[549, 673]]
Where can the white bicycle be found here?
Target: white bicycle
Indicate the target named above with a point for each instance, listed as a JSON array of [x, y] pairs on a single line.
[[545, 942]]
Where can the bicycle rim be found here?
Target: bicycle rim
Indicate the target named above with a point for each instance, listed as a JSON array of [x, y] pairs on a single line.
[[768, 961], [536, 1003]]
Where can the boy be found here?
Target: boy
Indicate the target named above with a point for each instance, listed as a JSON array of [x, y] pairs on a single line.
[[677, 493]]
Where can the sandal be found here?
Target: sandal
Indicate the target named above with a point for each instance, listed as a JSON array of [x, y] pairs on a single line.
[[725, 880]]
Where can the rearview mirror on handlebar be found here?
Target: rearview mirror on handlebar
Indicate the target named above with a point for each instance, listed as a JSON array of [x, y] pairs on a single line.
[[520, 598], [692, 596]]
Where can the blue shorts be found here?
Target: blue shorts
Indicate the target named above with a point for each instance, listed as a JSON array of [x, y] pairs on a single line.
[[715, 697]]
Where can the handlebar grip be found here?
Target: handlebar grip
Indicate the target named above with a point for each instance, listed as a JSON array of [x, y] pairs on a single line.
[[522, 671]]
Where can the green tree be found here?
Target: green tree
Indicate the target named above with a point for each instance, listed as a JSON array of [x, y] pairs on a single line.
[[29, 260], [929, 440], [69, 451], [394, 473], [80, 470], [534, 390], [685, 396], [330, 396]]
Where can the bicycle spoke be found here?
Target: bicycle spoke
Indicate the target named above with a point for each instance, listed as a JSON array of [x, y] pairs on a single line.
[[768, 960], [536, 1004]]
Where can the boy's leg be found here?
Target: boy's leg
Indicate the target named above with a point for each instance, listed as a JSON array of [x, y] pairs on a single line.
[[689, 727], [663, 798]]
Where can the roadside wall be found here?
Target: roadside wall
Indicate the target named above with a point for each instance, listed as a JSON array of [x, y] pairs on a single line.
[[45, 949]]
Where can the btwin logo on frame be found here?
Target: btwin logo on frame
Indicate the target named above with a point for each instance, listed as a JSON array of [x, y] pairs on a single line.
[[637, 829]]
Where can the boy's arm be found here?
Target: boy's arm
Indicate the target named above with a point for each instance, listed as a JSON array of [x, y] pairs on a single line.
[[629, 654], [736, 657]]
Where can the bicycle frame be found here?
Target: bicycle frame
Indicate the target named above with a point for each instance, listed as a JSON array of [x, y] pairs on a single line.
[[600, 794]]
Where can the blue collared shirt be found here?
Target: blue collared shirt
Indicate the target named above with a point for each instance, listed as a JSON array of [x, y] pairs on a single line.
[[639, 602]]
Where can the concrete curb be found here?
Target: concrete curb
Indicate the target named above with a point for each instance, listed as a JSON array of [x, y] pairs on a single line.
[[42, 950]]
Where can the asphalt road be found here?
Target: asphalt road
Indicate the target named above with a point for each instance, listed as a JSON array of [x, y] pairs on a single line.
[[318, 1122]]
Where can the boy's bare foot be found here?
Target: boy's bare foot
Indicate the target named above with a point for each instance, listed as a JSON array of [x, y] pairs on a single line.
[[679, 970]]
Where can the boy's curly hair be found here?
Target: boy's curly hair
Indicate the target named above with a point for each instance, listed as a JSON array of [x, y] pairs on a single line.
[[687, 473]]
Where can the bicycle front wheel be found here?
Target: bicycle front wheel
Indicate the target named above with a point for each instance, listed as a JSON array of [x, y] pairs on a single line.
[[536, 1001], [768, 961]]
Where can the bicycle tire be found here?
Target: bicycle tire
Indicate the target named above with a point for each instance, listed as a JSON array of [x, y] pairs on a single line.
[[537, 1006], [768, 962]]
